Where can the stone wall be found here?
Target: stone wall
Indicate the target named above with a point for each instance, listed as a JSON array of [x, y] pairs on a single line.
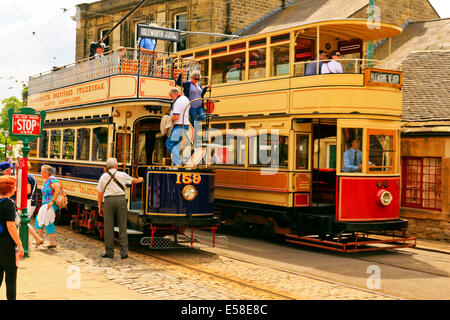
[[399, 11], [429, 224], [219, 16]]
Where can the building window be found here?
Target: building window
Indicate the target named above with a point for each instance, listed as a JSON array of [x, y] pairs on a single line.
[[180, 21], [422, 183]]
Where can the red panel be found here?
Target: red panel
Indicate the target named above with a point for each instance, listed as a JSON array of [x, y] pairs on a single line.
[[301, 200], [358, 198]]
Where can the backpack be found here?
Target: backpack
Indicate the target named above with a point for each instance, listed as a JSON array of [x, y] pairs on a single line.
[[61, 200]]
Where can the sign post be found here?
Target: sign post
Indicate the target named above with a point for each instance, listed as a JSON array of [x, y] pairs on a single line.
[[27, 126]]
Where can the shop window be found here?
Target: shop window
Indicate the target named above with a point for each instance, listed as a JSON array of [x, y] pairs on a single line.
[[55, 144], [351, 149], [302, 151], [267, 150], [68, 144], [229, 68], [280, 60], [83, 144], [100, 144], [43, 145], [422, 183], [381, 152], [257, 64]]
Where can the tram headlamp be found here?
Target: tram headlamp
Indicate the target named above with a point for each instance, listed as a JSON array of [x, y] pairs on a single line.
[[384, 198], [189, 192]]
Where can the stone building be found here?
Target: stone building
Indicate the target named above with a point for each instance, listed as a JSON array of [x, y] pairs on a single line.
[[212, 16]]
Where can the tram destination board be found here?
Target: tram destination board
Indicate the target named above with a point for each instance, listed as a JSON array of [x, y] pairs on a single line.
[[380, 77], [145, 31]]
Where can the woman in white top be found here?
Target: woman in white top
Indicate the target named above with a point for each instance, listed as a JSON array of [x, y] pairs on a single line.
[[333, 66]]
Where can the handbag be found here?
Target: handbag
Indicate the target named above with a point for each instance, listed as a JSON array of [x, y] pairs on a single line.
[[61, 199]]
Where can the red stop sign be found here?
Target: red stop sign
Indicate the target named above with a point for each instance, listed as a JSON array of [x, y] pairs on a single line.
[[26, 124]]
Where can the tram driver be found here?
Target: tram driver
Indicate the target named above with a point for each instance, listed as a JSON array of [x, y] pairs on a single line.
[[353, 156]]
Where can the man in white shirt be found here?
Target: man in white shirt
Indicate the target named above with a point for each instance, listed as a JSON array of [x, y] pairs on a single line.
[[112, 186], [333, 66], [180, 118]]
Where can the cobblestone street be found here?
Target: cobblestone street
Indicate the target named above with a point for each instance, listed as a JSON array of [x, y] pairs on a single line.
[[203, 275]]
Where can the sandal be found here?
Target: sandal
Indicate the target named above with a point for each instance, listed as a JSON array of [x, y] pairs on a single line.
[[38, 243], [51, 246]]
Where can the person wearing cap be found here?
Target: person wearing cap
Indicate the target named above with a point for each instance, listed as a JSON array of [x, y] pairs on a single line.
[[100, 50], [5, 168], [353, 156]]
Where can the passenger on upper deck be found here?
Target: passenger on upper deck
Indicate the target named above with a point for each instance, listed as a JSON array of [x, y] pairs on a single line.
[[311, 69], [333, 66], [100, 50], [147, 44]]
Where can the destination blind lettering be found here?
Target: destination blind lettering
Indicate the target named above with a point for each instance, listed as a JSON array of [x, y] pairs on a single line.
[[383, 77], [68, 96]]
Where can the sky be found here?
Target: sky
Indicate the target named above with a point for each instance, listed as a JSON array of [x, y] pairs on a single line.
[[38, 34]]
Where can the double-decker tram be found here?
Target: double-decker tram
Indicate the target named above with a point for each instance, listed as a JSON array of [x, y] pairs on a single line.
[[112, 106], [302, 148]]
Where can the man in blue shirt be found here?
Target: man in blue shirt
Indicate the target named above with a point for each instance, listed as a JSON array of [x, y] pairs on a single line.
[[147, 44], [353, 157], [311, 69]]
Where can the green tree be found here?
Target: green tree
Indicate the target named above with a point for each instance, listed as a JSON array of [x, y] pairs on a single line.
[[12, 102], [25, 95]]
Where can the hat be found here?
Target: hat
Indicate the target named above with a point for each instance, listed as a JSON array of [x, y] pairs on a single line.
[[4, 166], [101, 45], [354, 138]]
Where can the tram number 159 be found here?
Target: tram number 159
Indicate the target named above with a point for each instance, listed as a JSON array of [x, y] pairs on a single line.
[[188, 178]]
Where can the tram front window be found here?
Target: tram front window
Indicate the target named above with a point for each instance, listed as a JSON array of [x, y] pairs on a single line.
[[381, 152], [351, 143]]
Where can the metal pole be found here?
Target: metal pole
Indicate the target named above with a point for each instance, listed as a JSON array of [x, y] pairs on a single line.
[[24, 218]]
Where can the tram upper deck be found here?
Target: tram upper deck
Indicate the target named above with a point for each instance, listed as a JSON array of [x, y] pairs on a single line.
[[267, 72]]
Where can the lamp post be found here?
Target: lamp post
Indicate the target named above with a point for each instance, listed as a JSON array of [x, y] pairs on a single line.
[[6, 134]]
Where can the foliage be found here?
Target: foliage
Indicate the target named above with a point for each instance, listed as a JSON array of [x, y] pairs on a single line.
[[8, 103]]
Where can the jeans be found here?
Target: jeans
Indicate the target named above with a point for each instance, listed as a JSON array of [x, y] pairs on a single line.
[[196, 114], [173, 142]]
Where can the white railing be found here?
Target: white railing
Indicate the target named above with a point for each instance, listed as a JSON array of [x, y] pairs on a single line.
[[349, 66], [128, 61]]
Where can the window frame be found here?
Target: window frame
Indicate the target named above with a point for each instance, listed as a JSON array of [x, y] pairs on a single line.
[[404, 202], [175, 16], [393, 133]]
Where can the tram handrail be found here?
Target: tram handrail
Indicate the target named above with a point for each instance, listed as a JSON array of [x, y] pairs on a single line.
[[128, 61], [349, 66]]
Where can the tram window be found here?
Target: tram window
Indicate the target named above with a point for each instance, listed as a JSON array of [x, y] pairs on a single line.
[[55, 144], [83, 143], [43, 146], [160, 151], [351, 149], [280, 60], [237, 125], [257, 64], [219, 126], [304, 49], [229, 68], [381, 152], [268, 150], [204, 70], [33, 148], [302, 151], [122, 148], [234, 143], [68, 144], [100, 144]]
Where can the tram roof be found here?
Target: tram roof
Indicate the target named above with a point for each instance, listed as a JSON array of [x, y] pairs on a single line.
[[345, 29]]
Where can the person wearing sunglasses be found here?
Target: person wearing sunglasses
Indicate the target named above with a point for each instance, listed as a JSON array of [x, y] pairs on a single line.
[[333, 66], [193, 90]]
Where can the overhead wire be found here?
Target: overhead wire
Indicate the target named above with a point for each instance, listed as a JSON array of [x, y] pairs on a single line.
[[33, 34]]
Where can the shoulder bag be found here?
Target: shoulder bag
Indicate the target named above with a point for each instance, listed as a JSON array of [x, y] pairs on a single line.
[[61, 199]]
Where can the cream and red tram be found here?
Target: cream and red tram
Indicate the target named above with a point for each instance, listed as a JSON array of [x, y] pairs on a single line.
[[268, 105], [112, 107]]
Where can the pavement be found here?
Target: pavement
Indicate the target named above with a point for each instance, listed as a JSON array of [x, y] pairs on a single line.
[[75, 271]]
